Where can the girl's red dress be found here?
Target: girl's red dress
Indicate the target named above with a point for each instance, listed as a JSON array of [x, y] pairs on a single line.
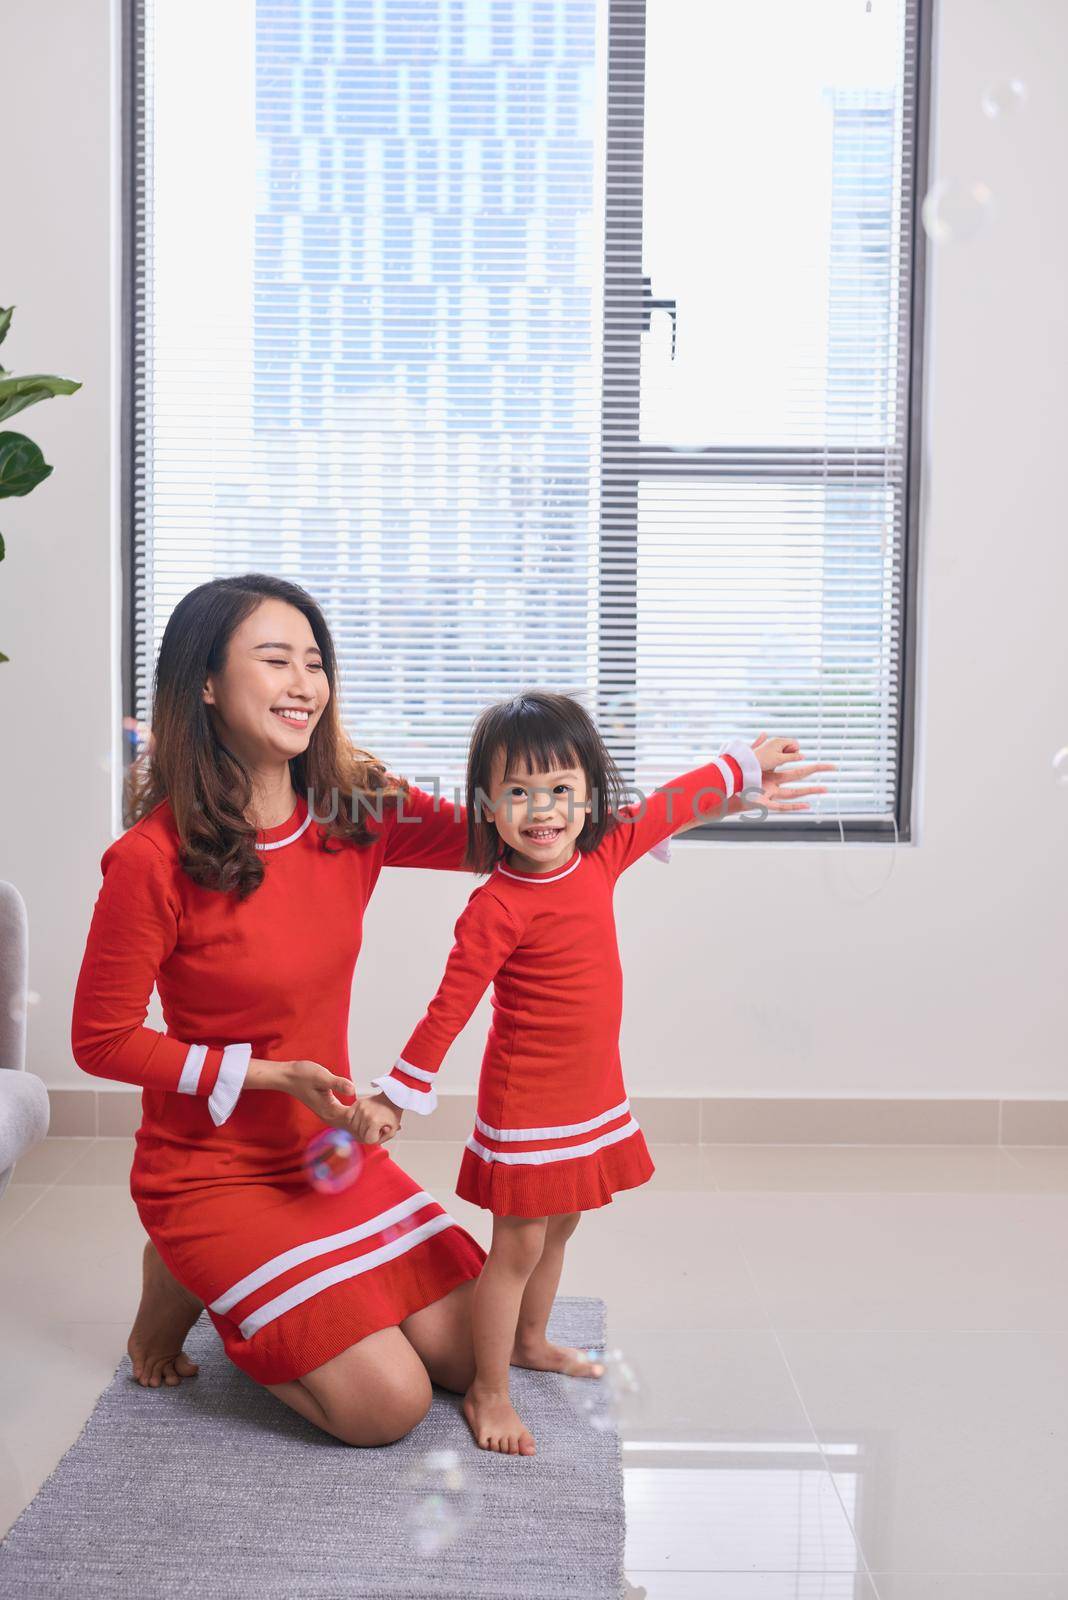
[[554, 1130], [290, 1276]]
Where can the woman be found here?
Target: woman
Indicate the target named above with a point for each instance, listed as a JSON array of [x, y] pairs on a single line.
[[247, 911]]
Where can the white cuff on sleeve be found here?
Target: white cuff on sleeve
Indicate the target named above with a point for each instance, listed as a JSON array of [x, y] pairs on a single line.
[[752, 771], [401, 1094], [230, 1082]]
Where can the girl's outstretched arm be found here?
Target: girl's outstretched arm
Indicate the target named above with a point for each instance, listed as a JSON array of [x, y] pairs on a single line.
[[778, 787], [425, 830], [702, 793], [485, 935]]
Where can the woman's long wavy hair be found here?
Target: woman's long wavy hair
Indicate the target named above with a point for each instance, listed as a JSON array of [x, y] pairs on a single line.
[[207, 785], [541, 729]]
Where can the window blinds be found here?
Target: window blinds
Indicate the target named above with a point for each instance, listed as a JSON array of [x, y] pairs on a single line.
[[403, 282]]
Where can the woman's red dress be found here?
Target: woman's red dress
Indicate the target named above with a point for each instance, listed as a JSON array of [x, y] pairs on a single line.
[[290, 1276]]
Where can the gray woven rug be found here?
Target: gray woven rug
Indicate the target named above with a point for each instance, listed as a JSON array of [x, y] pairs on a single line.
[[216, 1488]]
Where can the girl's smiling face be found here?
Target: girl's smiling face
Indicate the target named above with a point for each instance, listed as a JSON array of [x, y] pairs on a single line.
[[538, 815]]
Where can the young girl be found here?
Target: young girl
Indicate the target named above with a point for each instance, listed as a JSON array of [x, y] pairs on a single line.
[[554, 1133]]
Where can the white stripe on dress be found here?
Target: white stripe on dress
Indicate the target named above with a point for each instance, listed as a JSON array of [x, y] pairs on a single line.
[[189, 1082], [728, 777], [561, 1153], [413, 1072], [342, 1270], [318, 1247], [564, 1131], [276, 844], [545, 877]]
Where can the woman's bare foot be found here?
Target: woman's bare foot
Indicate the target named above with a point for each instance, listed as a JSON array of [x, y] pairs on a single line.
[[164, 1317], [542, 1356], [495, 1423]]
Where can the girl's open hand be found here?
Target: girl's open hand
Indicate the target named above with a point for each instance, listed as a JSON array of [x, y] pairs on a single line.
[[374, 1119], [773, 755]]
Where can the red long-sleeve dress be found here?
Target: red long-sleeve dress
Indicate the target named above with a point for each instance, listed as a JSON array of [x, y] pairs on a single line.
[[290, 1276], [554, 1130]]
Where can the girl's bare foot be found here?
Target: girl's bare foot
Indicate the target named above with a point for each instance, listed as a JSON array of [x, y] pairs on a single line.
[[545, 1357], [164, 1317], [495, 1423]]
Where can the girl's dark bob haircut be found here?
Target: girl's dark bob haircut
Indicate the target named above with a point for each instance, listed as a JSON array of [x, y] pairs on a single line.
[[543, 732]]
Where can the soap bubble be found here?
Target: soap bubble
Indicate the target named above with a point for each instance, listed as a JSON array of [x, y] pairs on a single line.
[[1004, 98], [1060, 767], [955, 208], [333, 1160], [20, 1004], [613, 1401], [442, 1501]]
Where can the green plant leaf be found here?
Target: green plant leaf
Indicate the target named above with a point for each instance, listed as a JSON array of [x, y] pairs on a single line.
[[3, 657], [22, 466], [5, 320], [1, 547], [18, 393]]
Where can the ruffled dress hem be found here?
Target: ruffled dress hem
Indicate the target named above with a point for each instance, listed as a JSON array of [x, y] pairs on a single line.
[[553, 1188]]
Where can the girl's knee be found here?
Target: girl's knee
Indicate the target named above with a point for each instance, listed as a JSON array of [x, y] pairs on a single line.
[[517, 1241]]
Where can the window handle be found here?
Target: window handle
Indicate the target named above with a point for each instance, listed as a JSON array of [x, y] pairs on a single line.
[[649, 305]]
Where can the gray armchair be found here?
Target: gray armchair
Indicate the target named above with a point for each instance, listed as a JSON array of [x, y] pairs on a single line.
[[24, 1110]]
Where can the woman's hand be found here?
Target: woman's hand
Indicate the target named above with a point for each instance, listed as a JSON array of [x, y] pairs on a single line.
[[773, 754], [374, 1119], [319, 1089]]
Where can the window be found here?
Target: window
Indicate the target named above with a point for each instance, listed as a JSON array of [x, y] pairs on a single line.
[[403, 284]]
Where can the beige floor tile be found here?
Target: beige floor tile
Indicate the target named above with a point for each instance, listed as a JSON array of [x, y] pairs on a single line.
[[75, 1256], [904, 1260], [719, 1390], [51, 1376], [47, 1160], [16, 1200], [958, 1440], [663, 1260], [879, 1169], [103, 1161]]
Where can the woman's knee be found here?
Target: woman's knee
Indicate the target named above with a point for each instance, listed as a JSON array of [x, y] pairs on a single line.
[[374, 1392]]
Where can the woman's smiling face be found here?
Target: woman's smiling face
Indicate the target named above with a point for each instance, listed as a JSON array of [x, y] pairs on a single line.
[[539, 815], [273, 667]]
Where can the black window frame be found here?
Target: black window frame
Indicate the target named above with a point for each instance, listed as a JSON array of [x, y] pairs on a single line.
[[623, 464]]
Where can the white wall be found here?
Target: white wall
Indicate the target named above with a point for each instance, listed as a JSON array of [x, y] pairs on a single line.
[[755, 970]]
